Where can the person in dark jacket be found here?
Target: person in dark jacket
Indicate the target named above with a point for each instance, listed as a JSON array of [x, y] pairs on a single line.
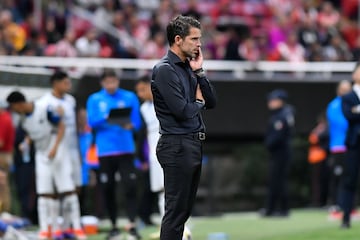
[[351, 110], [278, 143]]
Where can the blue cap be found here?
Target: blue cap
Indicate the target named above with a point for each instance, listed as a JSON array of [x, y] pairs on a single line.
[[277, 94]]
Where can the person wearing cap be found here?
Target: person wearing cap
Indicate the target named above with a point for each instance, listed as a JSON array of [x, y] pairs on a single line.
[[278, 142], [7, 138]]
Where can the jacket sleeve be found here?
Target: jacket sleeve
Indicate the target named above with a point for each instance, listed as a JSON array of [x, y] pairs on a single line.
[[346, 108], [96, 119], [135, 114], [208, 92]]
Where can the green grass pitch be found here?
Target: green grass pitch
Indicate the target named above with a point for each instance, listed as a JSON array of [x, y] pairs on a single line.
[[301, 225]]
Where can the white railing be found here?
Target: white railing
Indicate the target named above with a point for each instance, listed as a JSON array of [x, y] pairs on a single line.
[[38, 65]]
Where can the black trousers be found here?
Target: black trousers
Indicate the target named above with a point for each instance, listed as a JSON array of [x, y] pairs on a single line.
[[25, 186], [277, 186], [124, 164], [180, 157], [336, 165], [350, 180]]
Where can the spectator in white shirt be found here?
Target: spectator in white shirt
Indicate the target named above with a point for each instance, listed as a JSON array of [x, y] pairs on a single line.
[[88, 45]]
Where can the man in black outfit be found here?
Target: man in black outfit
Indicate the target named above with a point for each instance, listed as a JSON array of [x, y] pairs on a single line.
[[278, 142], [181, 91], [351, 110]]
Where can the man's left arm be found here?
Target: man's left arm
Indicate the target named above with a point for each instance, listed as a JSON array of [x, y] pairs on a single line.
[[208, 92]]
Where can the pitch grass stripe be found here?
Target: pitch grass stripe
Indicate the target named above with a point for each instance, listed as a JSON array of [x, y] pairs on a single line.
[[301, 225]]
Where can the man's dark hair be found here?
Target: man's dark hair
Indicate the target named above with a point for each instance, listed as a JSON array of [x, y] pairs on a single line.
[[58, 76], [16, 97], [108, 73], [180, 26], [144, 79]]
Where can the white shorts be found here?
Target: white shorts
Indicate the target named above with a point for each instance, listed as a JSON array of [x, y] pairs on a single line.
[[76, 166], [156, 174], [53, 175]]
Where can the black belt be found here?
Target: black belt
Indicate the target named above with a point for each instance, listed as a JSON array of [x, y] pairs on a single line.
[[198, 135]]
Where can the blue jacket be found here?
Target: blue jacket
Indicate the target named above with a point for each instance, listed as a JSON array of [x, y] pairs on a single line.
[[338, 125], [112, 139], [353, 134]]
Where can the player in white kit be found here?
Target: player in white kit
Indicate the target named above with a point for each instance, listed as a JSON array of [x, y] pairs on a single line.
[[45, 127], [143, 90], [59, 97]]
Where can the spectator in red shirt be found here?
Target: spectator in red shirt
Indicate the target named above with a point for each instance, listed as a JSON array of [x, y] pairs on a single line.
[[7, 137]]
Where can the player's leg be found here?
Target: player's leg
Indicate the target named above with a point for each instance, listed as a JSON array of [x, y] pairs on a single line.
[[129, 180], [74, 165], [157, 182], [66, 187], [45, 191], [108, 167]]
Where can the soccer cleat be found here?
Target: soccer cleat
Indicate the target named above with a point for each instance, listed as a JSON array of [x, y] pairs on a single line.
[[57, 235], [79, 234], [69, 234], [43, 235]]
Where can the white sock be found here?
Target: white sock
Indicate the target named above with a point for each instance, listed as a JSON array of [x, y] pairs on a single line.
[[161, 203], [55, 213], [72, 207], [65, 213], [44, 213]]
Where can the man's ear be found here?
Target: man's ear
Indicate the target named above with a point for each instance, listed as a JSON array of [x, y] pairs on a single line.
[[178, 40]]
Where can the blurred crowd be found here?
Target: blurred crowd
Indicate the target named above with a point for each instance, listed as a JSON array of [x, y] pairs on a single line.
[[252, 30]]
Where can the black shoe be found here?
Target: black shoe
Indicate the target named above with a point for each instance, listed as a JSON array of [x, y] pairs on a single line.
[[134, 233], [345, 225], [265, 213], [113, 234]]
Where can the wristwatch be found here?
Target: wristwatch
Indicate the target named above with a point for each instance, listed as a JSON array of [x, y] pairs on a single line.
[[199, 72], [201, 103]]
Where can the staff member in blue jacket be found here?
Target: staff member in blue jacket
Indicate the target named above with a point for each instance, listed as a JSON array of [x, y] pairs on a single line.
[[351, 110], [338, 126], [116, 145]]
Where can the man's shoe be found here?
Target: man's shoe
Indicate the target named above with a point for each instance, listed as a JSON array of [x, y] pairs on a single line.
[[345, 225]]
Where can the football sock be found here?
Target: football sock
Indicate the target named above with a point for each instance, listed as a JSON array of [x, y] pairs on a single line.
[[44, 213], [72, 207], [54, 214]]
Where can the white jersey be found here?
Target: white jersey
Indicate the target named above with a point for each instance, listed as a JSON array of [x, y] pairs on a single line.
[[153, 126], [68, 103], [39, 128], [52, 175]]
